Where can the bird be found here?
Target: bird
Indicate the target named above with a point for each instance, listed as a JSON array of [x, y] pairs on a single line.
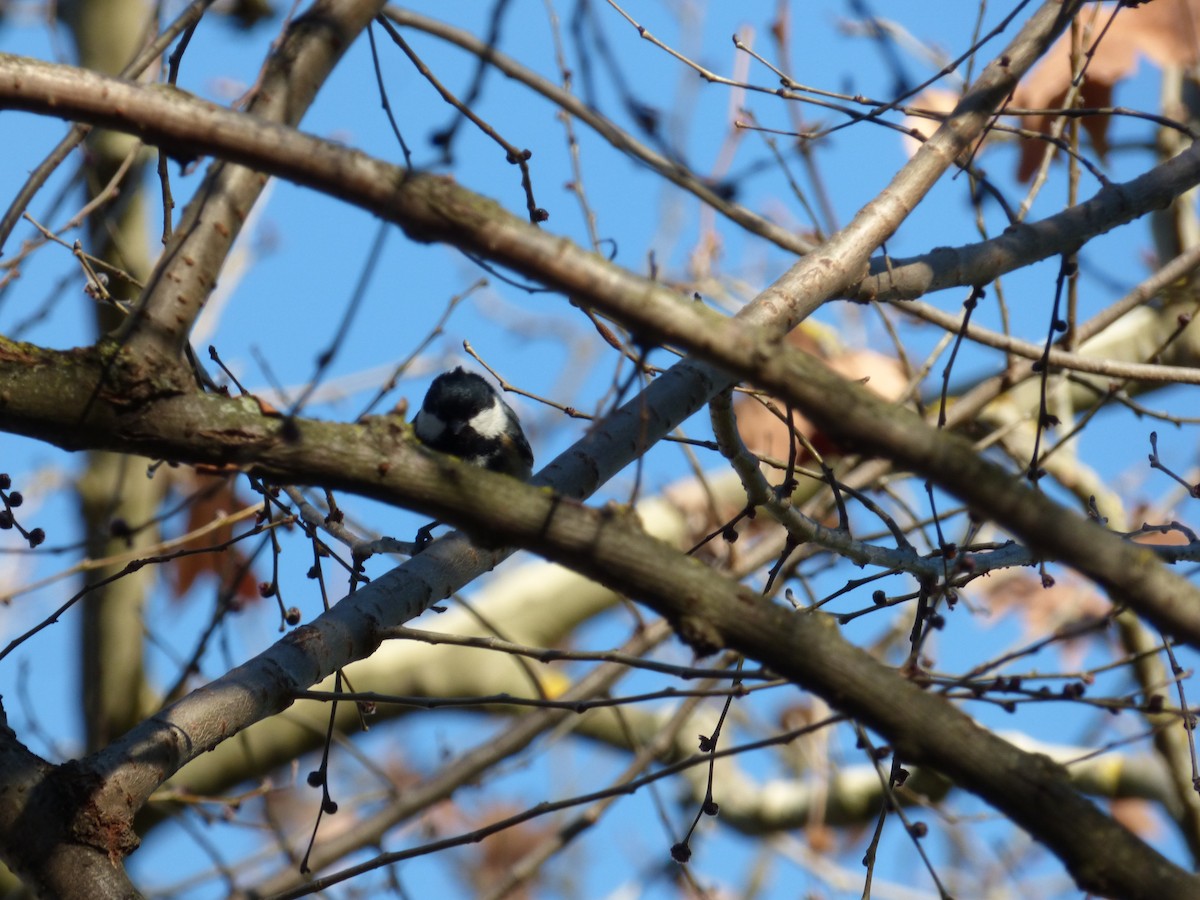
[[463, 415]]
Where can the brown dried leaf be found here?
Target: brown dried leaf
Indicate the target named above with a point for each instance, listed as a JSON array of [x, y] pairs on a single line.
[[765, 434], [821, 839], [266, 408], [495, 855], [1162, 539], [1165, 32], [1068, 601], [1139, 816], [936, 100], [215, 496], [1061, 608]]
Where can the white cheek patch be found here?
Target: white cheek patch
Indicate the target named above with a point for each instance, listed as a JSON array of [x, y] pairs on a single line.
[[428, 426], [491, 422]]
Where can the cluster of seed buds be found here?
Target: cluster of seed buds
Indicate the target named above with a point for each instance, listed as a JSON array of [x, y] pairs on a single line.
[[12, 499]]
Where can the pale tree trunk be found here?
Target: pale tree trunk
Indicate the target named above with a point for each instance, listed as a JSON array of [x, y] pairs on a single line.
[[114, 488]]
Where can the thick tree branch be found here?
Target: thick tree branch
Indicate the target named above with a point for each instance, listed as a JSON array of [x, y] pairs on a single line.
[[1064, 233], [375, 459], [56, 855], [371, 184], [66, 400], [432, 210]]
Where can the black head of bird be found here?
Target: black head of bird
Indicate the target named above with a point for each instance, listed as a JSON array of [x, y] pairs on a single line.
[[463, 415]]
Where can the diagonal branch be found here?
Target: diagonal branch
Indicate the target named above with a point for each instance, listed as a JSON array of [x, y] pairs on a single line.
[[1061, 234]]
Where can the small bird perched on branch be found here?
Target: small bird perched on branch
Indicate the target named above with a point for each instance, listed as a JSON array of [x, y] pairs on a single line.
[[463, 415]]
